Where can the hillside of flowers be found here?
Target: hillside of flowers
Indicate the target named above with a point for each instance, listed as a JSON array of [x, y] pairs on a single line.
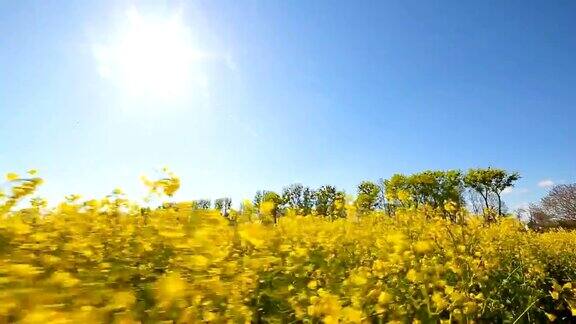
[[110, 260]]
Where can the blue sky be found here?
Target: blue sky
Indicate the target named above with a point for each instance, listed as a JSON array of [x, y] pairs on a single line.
[[288, 91]]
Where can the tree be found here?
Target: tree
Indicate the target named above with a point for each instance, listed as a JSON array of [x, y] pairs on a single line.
[[432, 188], [561, 202], [538, 219], [258, 198], [202, 204], [271, 203], [298, 198], [369, 197], [308, 200], [556, 209], [487, 182], [436, 188], [477, 205], [223, 205], [396, 189], [389, 209], [330, 202], [268, 203]]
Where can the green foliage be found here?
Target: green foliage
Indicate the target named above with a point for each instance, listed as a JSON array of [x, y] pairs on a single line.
[[397, 189], [224, 205], [488, 182], [330, 202], [440, 190], [258, 198], [431, 188], [273, 202], [369, 197], [298, 198], [204, 204]]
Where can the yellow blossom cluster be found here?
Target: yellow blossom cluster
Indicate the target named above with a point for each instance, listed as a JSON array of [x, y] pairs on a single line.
[[110, 260]]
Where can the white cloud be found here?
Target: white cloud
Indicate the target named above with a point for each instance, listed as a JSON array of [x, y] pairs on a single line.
[[545, 183], [507, 191], [521, 210], [514, 191], [522, 205]]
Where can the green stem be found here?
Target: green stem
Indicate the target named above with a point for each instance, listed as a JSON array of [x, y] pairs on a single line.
[[524, 312]]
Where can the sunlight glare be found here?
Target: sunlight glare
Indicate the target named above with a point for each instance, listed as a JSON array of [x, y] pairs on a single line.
[[151, 57]]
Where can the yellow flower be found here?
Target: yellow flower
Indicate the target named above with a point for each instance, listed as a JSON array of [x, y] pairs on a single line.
[[39, 316], [112, 260], [209, 316], [300, 252], [64, 279], [439, 301], [470, 308], [422, 247], [123, 299], [450, 207], [312, 284], [267, 207], [23, 270], [352, 315], [554, 295], [358, 279], [403, 196], [11, 176], [398, 241], [385, 298], [572, 306], [331, 320], [255, 234], [199, 262], [325, 304], [413, 275], [171, 287]]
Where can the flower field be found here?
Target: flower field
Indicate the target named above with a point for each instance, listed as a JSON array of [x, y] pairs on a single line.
[[110, 260]]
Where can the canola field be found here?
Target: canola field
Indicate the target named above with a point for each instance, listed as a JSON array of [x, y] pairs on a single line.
[[112, 261]]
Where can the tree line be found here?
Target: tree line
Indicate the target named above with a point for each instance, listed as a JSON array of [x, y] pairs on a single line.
[[443, 190]]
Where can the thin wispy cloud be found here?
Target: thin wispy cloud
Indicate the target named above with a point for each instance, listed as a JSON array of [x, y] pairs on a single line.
[[507, 191], [522, 205], [546, 183], [515, 191]]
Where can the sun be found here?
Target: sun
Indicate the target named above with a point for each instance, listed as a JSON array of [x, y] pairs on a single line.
[[150, 56]]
